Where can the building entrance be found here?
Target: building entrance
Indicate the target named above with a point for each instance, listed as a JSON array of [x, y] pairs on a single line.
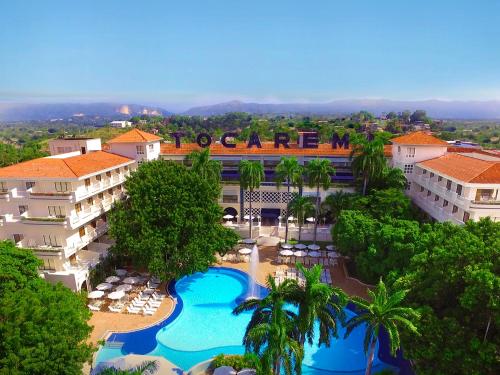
[[270, 216]]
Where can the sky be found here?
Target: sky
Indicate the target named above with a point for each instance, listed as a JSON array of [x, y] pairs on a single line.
[[183, 53]]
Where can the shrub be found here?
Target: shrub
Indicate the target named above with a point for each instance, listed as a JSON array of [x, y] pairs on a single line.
[[238, 362]]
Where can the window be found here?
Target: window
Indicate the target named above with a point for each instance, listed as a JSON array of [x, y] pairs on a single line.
[[445, 203], [29, 184], [408, 185], [459, 189], [410, 152], [429, 193], [87, 182], [81, 232], [125, 168], [431, 175], [140, 149], [100, 195], [408, 168], [436, 198], [108, 174], [110, 191], [448, 185], [399, 149], [424, 171], [57, 211], [23, 209], [78, 207], [3, 187], [455, 209], [98, 177], [48, 264], [440, 178], [62, 187], [50, 240], [93, 224], [230, 199], [466, 217], [90, 201], [18, 237], [421, 189], [151, 147]]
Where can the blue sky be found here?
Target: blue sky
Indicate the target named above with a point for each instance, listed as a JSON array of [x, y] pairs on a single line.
[[178, 53]]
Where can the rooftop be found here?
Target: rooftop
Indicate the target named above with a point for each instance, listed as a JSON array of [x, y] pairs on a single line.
[[324, 150], [70, 167], [466, 168], [419, 138], [135, 136]]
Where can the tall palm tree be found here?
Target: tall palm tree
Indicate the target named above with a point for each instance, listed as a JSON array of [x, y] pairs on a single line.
[[336, 202], [148, 367], [385, 311], [251, 176], [317, 302], [368, 160], [290, 171], [300, 207], [272, 331], [319, 175], [205, 167]]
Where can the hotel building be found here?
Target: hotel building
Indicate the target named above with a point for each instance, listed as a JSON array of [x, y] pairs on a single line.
[[57, 205]]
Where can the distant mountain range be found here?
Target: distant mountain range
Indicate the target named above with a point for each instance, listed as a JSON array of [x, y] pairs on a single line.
[[435, 108], [77, 111], [100, 113]]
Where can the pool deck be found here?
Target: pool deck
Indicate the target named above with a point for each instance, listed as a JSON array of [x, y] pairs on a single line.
[[105, 322]]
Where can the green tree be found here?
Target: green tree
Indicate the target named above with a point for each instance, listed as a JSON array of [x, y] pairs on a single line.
[[319, 174], [368, 161], [300, 207], [204, 166], [383, 311], [170, 224], [144, 368], [353, 232], [317, 301], [335, 203], [289, 171], [390, 178], [251, 176]]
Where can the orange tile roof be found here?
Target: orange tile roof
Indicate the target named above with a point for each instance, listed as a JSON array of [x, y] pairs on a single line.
[[419, 138], [465, 168], [135, 136], [71, 167], [324, 149]]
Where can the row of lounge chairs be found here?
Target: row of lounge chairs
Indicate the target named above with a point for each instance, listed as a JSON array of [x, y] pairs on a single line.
[[146, 302], [294, 274]]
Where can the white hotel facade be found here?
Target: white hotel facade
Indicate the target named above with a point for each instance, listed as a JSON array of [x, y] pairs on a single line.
[[57, 205]]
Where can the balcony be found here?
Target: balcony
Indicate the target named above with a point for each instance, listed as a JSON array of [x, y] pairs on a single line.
[[56, 195], [44, 220]]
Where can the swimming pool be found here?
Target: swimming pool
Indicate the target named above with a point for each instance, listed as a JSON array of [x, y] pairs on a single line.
[[203, 326]]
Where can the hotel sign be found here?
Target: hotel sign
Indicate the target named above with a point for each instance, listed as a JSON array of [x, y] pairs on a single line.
[[308, 140]]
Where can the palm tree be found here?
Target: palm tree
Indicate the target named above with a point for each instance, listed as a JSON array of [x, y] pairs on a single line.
[[319, 175], [336, 202], [147, 367], [205, 167], [251, 176], [368, 160], [272, 331], [290, 171], [317, 302], [300, 207], [385, 311]]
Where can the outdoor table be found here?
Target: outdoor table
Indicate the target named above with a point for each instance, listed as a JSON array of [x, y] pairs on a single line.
[[245, 251]]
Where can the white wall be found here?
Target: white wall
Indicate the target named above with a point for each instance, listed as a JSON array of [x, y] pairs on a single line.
[[71, 145], [129, 150]]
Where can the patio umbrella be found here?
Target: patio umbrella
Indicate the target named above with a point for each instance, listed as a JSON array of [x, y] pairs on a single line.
[[116, 295], [313, 247], [314, 254], [104, 286], [95, 294], [286, 253], [310, 219], [124, 287], [300, 246], [333, 254], [248, 241], [300, 253], [112, 279], [286, 246], [330, 247], [247, 217], [228, 217], [121, 272], [245, 251], [131, 280], [291, 218]]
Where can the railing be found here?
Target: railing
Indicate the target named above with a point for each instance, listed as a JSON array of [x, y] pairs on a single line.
[[44, 219]]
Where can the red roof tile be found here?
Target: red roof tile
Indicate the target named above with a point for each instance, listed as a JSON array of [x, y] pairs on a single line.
[[419, 138], [135, 136]]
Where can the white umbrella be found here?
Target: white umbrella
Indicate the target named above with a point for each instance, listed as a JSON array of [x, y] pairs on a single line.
[[291, 218], [112, 279], [131, 280], [116, 295], [314, 254], [300, 246], [95, 294], [286, 253], [330, 247], [224, 370], [247, 217], [245, 251], [313, 247], [227, 217], [333, 254], [300, 253], [104, 286], [286, 246], [310, 219], [248, 241], [121, 272], [124, 288]]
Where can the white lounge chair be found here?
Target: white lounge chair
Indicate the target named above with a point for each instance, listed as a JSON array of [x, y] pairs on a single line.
[[94, 308], [115, 309], [133, 310]]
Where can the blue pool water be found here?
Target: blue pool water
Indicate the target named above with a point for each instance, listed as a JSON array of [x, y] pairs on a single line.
[[204, 326]]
